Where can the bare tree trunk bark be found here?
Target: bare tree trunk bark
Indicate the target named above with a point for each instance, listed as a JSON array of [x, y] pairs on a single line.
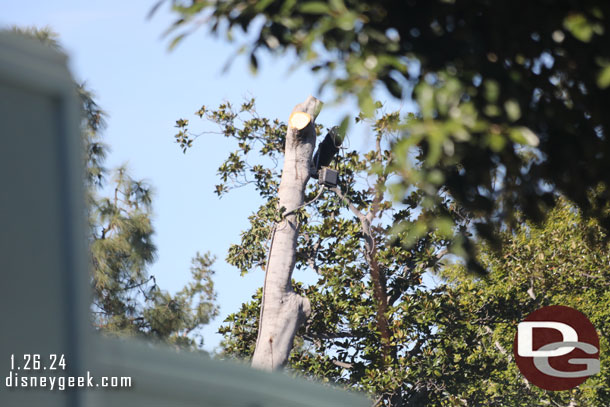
[[282, 310]]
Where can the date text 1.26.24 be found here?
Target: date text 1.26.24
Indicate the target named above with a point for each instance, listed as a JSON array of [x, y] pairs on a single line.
[[35, 361]]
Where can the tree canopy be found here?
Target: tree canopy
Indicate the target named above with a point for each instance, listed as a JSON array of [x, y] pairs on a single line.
[[561, 261], [369, 287], [379, 323], [126, 299], [510, 95]]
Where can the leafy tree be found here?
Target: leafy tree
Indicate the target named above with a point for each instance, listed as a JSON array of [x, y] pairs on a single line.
[[510, 116], [126, 300], [369, 304], [511, 95], [375, 326], [563, 261]]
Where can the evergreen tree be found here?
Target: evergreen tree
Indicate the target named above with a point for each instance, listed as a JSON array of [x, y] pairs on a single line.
[[126, 299]]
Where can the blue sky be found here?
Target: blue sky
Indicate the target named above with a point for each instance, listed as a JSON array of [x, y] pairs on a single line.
[[144, 88]]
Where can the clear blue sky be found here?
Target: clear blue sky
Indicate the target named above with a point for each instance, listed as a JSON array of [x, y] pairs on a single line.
[[144, 88]]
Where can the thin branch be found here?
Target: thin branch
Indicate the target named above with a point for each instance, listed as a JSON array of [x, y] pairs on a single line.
[[344, 365], [377, 276], [333, 335], [351, 207]]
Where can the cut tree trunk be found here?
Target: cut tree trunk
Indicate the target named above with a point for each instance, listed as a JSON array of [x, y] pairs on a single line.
[[282, 310]]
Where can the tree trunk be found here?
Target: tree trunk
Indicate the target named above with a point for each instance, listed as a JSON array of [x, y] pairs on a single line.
[[282, 310]]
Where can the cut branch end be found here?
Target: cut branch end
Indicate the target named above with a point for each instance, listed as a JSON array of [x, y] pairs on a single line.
[[299, 120]]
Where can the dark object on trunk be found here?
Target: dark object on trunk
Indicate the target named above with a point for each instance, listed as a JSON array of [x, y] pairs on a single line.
[[327, 149], [328, 177]]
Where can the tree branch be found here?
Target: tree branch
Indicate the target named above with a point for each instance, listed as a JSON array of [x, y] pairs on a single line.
[[342, 364]]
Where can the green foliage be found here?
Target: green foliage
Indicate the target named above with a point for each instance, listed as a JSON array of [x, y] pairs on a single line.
[[45, 35], [449, 344], [511, 96], [563, 261], [126, 300], [369, 285]]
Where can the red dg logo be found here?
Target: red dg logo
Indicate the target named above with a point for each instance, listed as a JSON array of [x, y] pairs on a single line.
[[556, 348]]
